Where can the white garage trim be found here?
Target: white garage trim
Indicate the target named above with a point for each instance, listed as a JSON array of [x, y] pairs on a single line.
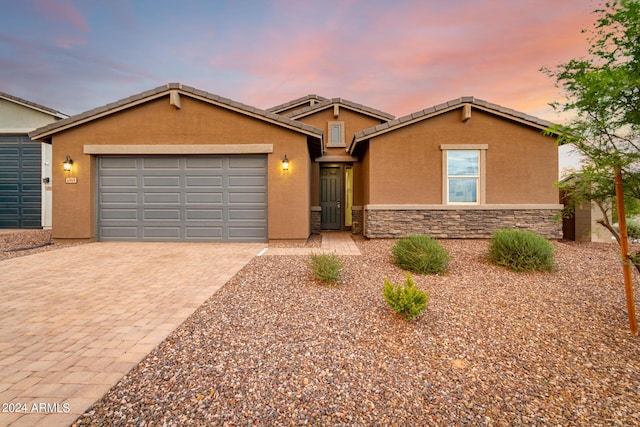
[[179, 149]]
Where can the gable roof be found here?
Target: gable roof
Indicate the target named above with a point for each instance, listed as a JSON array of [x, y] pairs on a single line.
[[295, 103], [436, 110], [328, 103], [45, 132], [33, 105]]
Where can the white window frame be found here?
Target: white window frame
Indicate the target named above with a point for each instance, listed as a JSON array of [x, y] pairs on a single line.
[[481, 177], [330, 142]]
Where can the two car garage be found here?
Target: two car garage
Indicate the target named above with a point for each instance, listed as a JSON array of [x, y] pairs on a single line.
[[182, 198]]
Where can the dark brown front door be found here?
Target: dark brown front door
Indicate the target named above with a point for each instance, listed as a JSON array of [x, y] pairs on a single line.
[[331, 198]]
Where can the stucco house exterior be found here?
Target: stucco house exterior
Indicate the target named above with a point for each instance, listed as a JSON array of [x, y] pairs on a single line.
[[25, 165], [177, 163]]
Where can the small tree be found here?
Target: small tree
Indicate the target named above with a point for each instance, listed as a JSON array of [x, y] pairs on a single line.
[[603, 91]]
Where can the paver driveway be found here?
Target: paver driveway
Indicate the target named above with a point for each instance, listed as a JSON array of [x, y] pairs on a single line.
[[73, 321]]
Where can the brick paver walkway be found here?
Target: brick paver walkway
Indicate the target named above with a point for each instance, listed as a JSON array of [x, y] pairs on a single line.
[[338, 242], [73, 321]]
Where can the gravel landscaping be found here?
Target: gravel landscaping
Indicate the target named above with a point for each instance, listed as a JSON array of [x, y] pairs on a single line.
[[493, 348], [26, 242]]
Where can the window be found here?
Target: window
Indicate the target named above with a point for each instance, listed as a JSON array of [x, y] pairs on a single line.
[[463, 173], [336, 134]]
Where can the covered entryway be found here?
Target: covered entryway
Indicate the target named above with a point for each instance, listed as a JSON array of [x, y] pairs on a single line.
[[20, 182], [213, 198]]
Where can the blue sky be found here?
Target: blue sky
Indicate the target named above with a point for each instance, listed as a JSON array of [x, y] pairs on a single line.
[[397, 56]]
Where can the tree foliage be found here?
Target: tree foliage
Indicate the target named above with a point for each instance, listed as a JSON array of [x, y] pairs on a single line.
[[603, 95]]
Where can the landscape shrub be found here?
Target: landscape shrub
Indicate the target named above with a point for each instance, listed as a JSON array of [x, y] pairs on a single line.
[[521, 250], [633, 229], [326, 267], [405, 299], [421, 254]]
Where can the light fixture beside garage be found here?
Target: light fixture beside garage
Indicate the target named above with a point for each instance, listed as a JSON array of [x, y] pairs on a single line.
[[68, 162], [285, 163]]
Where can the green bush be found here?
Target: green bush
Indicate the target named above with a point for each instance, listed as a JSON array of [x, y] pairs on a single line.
[[421, 254], [405, 299], [521, 250], [633, 229], [326, 267]]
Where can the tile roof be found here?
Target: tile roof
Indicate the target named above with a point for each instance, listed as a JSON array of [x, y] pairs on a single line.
[[52, 128], [328, 103], [295, 102], [445, 107], [33, 105]]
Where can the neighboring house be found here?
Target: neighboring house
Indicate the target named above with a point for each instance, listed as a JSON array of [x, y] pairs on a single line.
[[25, 165], [177, 163], [583, 225]]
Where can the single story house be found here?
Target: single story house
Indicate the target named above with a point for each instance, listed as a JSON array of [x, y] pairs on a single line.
[[25, 165], [179, 164]]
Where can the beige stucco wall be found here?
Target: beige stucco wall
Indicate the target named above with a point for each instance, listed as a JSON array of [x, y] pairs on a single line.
[[406, 164], [158, 123], [16, 118]]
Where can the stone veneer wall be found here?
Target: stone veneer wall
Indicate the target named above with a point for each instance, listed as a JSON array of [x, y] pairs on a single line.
[[458, 224], [316, 219], [356, 220]]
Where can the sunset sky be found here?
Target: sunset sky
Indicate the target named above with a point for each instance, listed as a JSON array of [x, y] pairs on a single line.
[[399, 56]]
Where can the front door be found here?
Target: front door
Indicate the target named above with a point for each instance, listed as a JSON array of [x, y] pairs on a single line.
[[331, 198]]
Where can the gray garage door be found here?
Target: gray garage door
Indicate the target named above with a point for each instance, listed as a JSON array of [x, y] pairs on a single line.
[[183, 198], [20, 185]]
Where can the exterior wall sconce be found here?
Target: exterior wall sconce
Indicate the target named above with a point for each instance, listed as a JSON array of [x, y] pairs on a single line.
[[67, 163], [285, 163]]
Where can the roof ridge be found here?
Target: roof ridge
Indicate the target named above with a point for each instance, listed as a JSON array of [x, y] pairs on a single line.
[[296, 101], [345, 102]]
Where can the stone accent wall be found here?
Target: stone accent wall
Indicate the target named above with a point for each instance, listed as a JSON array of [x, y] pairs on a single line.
[[356, 220], [316, 219], [459, 224]]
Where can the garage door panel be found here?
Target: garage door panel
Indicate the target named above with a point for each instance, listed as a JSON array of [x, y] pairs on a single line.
[[118, 181], [204, 181], [247, 214], [162, 181], [247, 162], [118, 198], [204, 214], [166, 163], [208, 163], [201, 200], [162, 198], [249, 197], [120, 214], [204, 198]]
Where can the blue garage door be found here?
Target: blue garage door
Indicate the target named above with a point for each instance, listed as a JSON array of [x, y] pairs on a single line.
[[20, 184], [183, 198]]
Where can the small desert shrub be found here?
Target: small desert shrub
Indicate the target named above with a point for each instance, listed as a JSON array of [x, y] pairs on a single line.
[[405, 299], [326, 267], [521, 250], [421, 254], [633, 229]]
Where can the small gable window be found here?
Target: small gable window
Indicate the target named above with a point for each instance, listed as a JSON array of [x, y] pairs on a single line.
[[463, 173], [336, 134]]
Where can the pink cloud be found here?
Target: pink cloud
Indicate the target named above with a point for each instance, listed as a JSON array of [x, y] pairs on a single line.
[[62, 11]]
